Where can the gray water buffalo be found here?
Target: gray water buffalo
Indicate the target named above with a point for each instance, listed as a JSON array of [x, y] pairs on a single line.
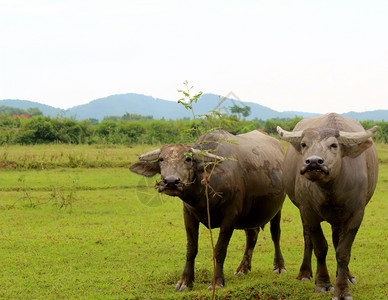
[[244, 184], [330, 174]]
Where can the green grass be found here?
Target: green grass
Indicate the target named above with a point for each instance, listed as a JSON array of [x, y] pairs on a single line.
[[116, 238], [42, 157]]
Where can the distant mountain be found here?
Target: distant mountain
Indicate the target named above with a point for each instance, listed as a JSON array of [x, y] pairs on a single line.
[[47, 110], [118, 105], [380, 115]]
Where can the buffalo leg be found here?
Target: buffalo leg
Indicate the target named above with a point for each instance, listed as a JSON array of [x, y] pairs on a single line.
[[220, 254], [192, 228], [336, 234], [251, 239], [305, 271], [322, 279], [341, 290], [275, 233]]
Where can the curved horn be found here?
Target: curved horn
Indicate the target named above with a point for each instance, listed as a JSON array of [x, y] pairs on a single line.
[[356, 137], [206, 156], [149, 156], [289, 136]]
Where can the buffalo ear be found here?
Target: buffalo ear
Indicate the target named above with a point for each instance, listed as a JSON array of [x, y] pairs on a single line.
[[145, 168], [355, 150]]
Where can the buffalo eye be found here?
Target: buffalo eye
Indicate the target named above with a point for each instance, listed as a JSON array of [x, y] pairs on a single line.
[[188, 159], [334, 146], [303, 145], [160, 159]]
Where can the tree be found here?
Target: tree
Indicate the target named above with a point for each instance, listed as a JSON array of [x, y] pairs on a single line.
[[36, 131], [112, 118], [134, 117], [245, 111], [107, 127], [34, 111]]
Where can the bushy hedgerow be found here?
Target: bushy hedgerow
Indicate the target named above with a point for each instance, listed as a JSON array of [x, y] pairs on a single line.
[[40, 129]]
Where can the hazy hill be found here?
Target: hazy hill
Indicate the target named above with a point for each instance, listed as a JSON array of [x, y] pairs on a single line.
[[380, 115], [47, 110], [118, 105]]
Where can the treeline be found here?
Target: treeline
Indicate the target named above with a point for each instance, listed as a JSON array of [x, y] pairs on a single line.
[[10, 111], [133, 129]]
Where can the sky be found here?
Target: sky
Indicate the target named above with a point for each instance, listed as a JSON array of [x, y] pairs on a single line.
[[302, 55]]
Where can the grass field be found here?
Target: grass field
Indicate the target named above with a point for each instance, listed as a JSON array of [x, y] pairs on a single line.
[[76, 224]]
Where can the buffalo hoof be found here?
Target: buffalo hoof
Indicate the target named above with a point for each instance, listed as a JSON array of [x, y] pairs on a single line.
[[352, 280], [279, 270], [239, 273], [323, 288], [182, 286], [304, 279], [304, 275], [242, 270], [342, 294], [218, 286]]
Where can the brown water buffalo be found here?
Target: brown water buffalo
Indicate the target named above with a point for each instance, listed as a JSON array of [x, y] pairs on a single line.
[[330, 174], [245, 191]]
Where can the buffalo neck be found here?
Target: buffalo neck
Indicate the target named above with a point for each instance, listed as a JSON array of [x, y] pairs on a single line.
[[343, 187]]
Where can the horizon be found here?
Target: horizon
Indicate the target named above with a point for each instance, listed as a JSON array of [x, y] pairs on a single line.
[[157, 98]]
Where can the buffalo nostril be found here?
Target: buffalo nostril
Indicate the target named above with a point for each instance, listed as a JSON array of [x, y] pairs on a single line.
[[171, 180], [314, 160]]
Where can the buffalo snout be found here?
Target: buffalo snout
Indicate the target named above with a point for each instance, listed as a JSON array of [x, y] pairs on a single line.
[[171, 181], [314, 165], [170, 185], [314, 162]]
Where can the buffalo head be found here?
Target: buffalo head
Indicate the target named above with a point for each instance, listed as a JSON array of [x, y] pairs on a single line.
[[322, 149], [178, 165]]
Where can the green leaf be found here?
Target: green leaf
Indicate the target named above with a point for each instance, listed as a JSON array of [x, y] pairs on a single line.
[[233, 142], [188, 154]]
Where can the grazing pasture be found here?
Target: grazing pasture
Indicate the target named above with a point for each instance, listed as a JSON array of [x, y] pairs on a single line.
[[77, 224]]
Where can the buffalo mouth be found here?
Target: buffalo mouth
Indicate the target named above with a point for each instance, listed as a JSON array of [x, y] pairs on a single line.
[[314, 172], [170, 189]]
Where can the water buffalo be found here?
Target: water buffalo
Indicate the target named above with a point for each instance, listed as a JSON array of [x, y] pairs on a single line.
[[245, 190], [330, 174]]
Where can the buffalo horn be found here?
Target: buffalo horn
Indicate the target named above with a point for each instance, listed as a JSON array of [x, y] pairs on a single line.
[[356, 137], [149, 156], [289, 136], [205, 156]]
